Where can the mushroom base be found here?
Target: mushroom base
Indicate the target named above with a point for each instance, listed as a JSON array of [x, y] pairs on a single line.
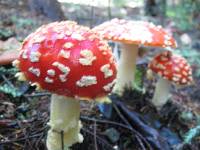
[[126, 68], [161, 93], [64, 123]]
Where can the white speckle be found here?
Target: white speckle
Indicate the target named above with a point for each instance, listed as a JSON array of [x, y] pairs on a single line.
[[163, 58], [106, 70], [69, 33], [167, 37], [177, 69], [187, 67], [68, 45], [160, 66], [38, 87], [86, 81], [108, 87], [16, 63], [183, 81], [175, 79], [181, 65], [77, 36], [104, 53], [38, 39], [55, 63], [166, 72], [60, 36], [51, 72], [190, 72], [62, 77], [103, 48], [177, 61], [34, 71], [48, 80], [168, 63], [64, 54], [20, 76], [177, 75], [112, 59], [24, 54], [88, 57], [34, 56], [92, 37], [62, 67], [184, 73]]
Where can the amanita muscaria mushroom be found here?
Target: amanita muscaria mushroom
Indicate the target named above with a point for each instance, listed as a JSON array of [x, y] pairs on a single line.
[[132, 34], [171, 69], [74, 63]]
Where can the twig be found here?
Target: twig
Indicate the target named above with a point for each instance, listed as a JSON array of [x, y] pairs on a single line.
[[18, 140], [100, 139], [26, 135], [121, 116], [7, 81], [95, 135], [62, 139], [120, 125], [129, 125], [38, 94]]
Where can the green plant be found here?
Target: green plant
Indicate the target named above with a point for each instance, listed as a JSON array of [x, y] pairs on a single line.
[[22, 22], [138, 83], [5, 33], [6, 87], [183, 13], [191, 134], [12, 71]]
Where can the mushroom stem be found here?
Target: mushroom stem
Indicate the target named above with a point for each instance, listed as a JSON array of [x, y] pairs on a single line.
[[64, 118], [126, 68], [161, 93]]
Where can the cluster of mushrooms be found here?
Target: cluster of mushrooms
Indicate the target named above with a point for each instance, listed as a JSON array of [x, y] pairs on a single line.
[[76, 63]]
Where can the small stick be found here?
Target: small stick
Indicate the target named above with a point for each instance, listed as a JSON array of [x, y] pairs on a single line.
[[95, 135], [62, 139]]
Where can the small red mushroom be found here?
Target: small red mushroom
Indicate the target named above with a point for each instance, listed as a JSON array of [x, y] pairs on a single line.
[[171, 69], [71, 61], [132, 34]]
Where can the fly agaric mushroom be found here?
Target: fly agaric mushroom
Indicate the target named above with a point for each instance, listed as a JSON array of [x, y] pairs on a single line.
[[74, 63], [171, 69], [132, 34]]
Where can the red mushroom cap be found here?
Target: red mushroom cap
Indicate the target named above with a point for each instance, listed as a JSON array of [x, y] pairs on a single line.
[[135, 32], [68, 59], [172, 67]]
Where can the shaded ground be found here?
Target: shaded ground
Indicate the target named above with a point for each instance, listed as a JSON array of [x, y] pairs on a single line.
[[24, 115]]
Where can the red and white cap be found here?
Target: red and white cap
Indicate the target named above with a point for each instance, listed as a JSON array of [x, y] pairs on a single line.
[[135, 32], [68, 59], [172, 67]]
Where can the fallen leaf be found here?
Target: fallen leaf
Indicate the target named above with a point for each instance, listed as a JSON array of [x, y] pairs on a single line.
[[8, 56], [9, 50]]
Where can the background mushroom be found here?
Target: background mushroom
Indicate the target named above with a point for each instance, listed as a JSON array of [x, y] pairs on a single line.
[[171, 69], [132, 34], [72, 62]]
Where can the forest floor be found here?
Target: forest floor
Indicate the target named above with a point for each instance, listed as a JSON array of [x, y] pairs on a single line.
[[134, 123]]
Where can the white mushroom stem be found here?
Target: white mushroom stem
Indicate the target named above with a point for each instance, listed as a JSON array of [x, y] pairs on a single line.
[[126, 68], [64, 117], [161, 93]]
